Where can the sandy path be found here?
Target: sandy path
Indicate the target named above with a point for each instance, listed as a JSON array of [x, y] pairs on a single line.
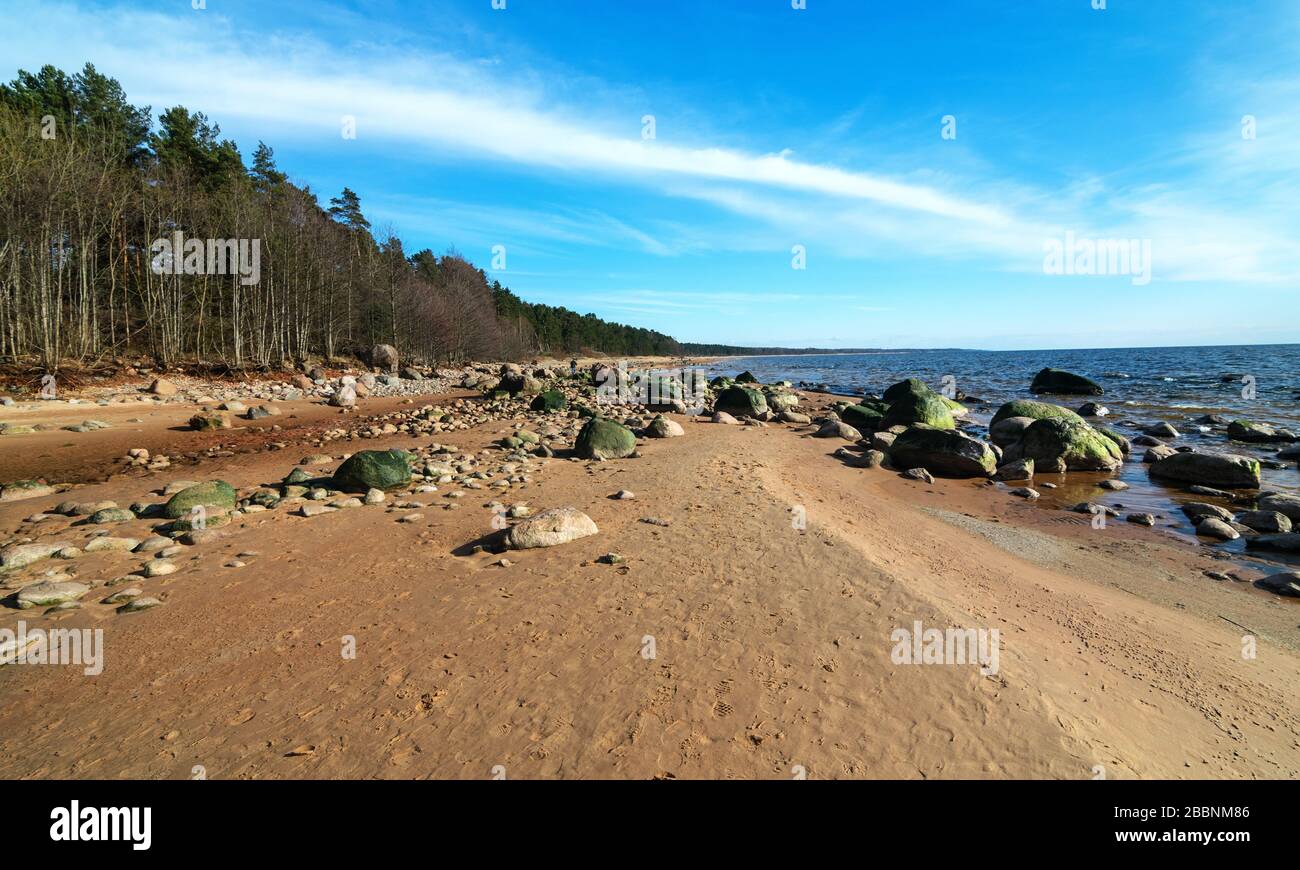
[[771, 644]]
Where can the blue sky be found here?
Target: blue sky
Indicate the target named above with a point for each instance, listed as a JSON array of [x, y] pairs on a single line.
[[774, 127]]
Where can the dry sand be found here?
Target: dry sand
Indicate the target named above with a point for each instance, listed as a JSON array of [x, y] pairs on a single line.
[[772, 644]]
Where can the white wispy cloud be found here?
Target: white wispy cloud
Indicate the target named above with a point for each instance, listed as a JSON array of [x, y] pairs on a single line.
[[448, 106]]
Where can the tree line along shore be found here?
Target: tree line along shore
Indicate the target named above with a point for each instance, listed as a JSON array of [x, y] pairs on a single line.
[[91, 190]]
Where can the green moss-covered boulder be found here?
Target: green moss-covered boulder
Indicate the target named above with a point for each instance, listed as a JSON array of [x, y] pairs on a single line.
[[1064, 383], [604, 439], [549, 401], [213, 495], [741, 401], [374, 469], [1035, 410], [904, 389], [863, 418], [943, 452], [926, 409], [746, 378], [1066, 445], [721, 382]]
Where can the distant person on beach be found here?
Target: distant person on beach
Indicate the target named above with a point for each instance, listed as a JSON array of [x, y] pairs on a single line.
[[573, 368]]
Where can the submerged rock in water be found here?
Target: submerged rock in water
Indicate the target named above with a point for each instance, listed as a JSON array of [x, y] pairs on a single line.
[[1258, 433], [1064, 383], [1065, 444], [1033, 410], [1283, 504], [1225, 470]]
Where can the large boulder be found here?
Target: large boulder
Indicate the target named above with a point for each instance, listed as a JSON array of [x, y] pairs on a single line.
[[216, 495], [374, 469], [604, 439], [551, 528], [1064, 383], [514, 381], [549, 401], [384, 356], [926, 409], [944, 452], [746, 378], [1208, 469], [903, 389], [1061, 444], [1033, 410], [163, 387], [741, 401]]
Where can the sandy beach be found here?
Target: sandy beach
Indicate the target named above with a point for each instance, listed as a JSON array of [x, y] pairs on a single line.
[[727, 638]]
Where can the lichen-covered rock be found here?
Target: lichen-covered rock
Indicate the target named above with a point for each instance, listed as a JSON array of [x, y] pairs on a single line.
[[1066, 444], [22, 555], [741, 401], [551, 528], [1064, 383], [549, 401], [213, 495], [1033, 410], [604, 439], [207, 421], [374, 469], [746, 378], [22, 489], [48, 592], [903, 389], [1207, 469], [944, 452], [1258, 433]]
